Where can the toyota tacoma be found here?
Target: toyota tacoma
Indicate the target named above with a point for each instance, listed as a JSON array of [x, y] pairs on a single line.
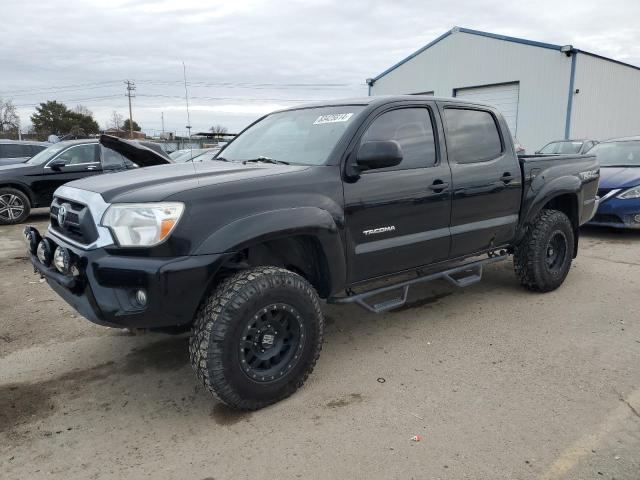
[[309, 203]]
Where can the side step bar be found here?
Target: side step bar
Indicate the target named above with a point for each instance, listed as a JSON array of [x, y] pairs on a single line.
[[471, 273]]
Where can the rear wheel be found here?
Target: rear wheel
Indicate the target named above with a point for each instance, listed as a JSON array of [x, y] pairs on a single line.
[[14, 206], [543, 258], [257, 337]]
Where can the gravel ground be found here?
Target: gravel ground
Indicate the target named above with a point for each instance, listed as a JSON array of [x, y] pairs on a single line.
[[500, 383]]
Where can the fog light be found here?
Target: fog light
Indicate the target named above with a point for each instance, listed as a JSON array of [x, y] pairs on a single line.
[[31, 238], [44, 251], [141, 297], [61, 260], [636, 218]]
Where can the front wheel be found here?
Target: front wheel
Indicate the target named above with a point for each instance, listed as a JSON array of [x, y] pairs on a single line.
[[543, 258], [257, 337], [14, 206]]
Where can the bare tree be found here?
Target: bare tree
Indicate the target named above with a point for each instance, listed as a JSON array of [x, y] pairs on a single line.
[[218, 129], [83, 110], [116, 120], [9, 119]]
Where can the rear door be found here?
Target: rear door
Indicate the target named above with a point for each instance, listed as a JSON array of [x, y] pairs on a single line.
[[398, 217], [79, 161], [487, 183]]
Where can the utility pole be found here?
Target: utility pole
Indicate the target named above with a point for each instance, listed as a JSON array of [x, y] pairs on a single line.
[[186, 96], [162, 116], [131, 86]]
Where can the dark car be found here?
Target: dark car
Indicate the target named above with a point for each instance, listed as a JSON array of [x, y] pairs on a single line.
[[13, 151], [619, 188], [313, 202], [564, 147], [31, 184]]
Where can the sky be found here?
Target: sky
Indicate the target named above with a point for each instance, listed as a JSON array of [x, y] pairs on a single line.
[[246, 58]]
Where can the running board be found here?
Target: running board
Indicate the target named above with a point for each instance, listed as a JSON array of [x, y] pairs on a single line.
[[472, 274]]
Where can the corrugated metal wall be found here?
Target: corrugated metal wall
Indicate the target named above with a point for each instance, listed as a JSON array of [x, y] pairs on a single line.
[[608, 104], [466, 60]]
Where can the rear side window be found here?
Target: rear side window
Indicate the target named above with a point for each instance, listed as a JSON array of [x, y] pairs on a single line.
[[112, 160], [14, 151], [472, 135], [412, 129]]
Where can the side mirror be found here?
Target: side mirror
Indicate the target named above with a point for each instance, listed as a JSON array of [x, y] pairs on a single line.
[[378, 154], [57, 165]]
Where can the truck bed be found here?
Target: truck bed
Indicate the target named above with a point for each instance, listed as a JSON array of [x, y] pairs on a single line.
[[558, 173]]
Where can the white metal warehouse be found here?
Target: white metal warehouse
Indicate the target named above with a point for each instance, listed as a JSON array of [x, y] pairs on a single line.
[[546, 92]]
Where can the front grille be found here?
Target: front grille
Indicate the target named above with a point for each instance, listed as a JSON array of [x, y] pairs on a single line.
[[78, 224], [607, 218]]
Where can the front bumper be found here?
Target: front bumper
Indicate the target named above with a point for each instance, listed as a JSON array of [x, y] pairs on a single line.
[[617, 213], [104, 291]]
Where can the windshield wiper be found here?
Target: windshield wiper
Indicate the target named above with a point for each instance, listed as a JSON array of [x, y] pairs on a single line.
[[620, 166], [265, 160], [222, 159]]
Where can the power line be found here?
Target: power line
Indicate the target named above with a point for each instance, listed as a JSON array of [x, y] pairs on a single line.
[[104, 97], [79, 86], [96, 85]]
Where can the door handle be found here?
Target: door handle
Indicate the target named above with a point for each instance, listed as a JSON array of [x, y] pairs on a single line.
[[91, 167], [438, 186], [506, 177]]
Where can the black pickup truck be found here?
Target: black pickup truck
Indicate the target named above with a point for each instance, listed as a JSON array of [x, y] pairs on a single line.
[[308, 203]]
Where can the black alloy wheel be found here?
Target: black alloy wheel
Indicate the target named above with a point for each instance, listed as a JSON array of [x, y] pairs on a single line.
[[271, 342], [556, 251]]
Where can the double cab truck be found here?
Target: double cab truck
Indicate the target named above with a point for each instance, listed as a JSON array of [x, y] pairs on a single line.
[[309, 203]]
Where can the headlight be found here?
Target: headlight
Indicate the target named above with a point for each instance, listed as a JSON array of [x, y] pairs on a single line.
[[633, 192], [142, 224]]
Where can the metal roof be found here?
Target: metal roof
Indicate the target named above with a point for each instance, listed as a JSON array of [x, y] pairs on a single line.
[[496, 36]]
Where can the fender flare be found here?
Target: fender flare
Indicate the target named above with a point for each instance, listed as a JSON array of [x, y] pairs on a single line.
[[270, 225], [567, 185], [550, 190]]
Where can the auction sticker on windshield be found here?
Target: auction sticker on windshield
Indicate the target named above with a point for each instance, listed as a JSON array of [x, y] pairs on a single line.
[[333, 118]]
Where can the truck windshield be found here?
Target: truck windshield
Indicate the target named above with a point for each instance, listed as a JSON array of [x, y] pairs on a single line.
[[299, 137], [617, 154]]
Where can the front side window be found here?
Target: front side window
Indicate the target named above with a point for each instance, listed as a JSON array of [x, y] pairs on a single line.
[[79, 154], [299, 137], [472, 135], [412, 129]]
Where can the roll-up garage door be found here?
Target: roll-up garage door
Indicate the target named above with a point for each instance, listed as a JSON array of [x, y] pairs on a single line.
[[504, 97]]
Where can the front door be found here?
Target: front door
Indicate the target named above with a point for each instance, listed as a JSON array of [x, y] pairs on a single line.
[[398, 217], [78, 161]]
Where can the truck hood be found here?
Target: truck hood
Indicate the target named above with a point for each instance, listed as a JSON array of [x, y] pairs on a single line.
[[619, 177], [134, 151], [154, 184]]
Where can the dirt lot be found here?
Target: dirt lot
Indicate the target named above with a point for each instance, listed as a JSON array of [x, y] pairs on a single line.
[[500, 382]]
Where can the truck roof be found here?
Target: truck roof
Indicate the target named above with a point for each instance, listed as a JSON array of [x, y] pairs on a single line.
[[383, 99]]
